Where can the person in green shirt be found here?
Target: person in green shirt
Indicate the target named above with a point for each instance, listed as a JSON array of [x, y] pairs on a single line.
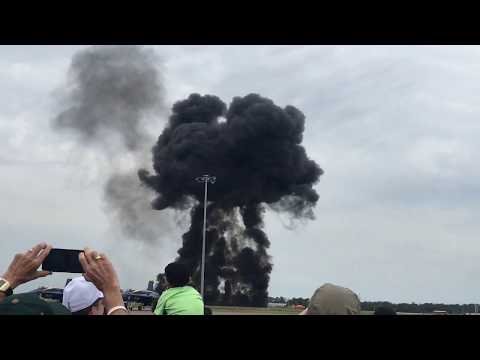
[[179, 298]]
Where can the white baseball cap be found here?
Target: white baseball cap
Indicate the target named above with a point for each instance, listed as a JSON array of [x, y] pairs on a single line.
[[80, 294]]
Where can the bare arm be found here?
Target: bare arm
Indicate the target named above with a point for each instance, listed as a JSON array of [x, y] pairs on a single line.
[[24, 267], [99, 270]]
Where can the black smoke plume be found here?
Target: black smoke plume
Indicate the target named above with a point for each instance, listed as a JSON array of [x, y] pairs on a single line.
[[113, 93], [254, 149]]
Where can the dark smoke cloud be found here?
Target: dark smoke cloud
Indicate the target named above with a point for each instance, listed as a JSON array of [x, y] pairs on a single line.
[[256, 154], [112, 93], [129, 204], [111, 89], [253, 147]]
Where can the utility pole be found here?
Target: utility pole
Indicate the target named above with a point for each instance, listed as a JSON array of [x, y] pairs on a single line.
[[205, 179]]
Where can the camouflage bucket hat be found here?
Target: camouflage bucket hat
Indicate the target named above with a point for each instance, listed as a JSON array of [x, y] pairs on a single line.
[[30, 304], [331, 299]]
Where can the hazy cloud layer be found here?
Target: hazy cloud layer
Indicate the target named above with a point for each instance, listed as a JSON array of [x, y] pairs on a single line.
[[394, 127]]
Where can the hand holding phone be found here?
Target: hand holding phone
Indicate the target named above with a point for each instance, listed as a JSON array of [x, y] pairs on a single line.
[[24, 266], [63, 260], [100, 271]]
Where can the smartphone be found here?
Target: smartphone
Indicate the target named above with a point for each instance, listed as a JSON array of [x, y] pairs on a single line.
[[63, 260]]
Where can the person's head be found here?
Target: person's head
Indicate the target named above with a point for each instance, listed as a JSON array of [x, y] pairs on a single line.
[[177, 274], [331, 299], [81, 297], [385, 310], [97, 308]]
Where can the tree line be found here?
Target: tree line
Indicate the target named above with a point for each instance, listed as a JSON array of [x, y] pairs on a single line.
[[420, 308], [399, 308]]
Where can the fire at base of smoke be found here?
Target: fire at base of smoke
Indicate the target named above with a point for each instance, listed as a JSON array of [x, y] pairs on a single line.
[[256, 156], [252, 146]]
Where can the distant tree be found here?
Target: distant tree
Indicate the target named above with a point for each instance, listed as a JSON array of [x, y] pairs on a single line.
[[385, 310], [277, 300], [420, 308], [298, 301]]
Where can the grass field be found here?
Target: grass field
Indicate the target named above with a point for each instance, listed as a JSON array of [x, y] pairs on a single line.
[[234, 310]]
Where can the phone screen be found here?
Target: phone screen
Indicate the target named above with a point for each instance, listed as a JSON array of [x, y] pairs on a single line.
[[63, 260]]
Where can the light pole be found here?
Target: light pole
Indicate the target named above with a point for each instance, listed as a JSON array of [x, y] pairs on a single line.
[[205, 179]]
